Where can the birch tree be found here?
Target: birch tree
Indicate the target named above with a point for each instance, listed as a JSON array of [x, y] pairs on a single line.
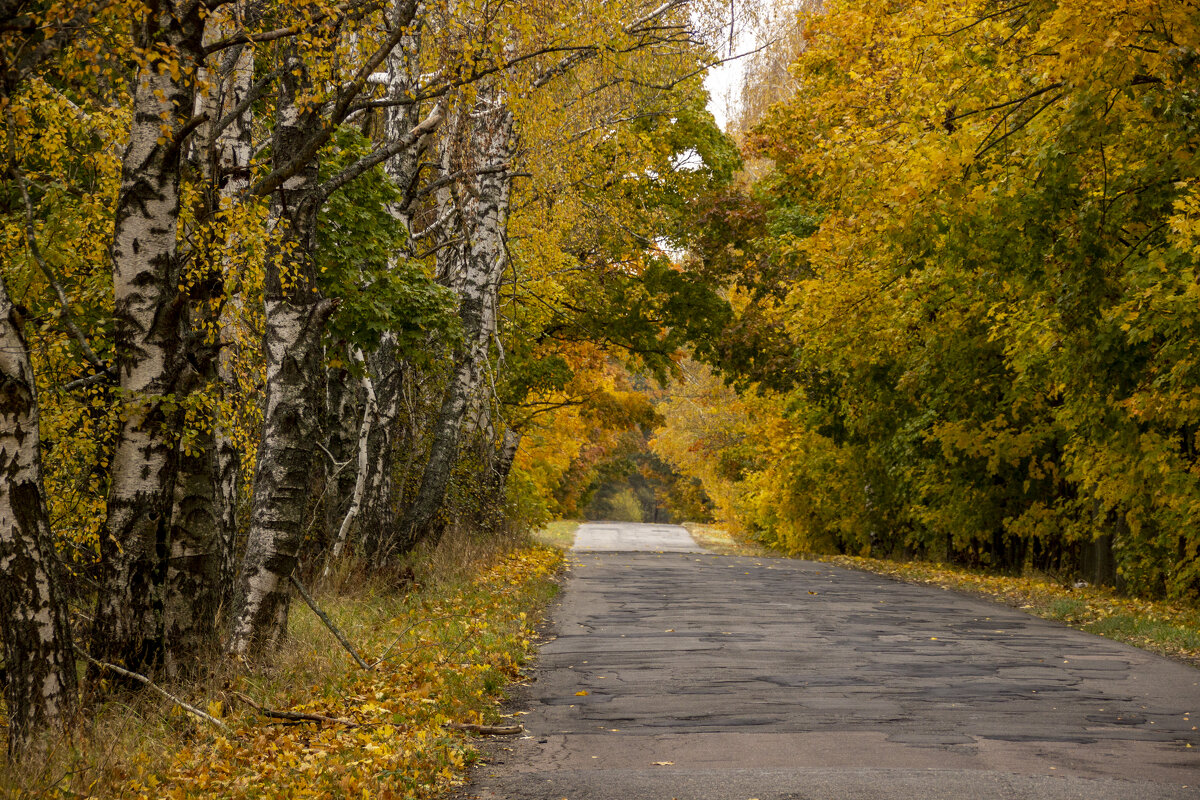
[[296, 314], [129, 625], [38, 656], [474, 269]]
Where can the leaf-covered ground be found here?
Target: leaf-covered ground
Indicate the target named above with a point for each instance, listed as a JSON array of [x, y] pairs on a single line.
[[450, 650], [1167, 628]]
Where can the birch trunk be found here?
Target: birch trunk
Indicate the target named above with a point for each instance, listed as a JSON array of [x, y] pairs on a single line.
[[377, 518], [342, 534], [128, 627], [233, 151], [199, 563], [482, 265], [294, 321], [38, 656], [508, 453], [342, 409], [192, 596]]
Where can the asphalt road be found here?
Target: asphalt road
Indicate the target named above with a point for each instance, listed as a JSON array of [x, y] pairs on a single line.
[[676, 673]]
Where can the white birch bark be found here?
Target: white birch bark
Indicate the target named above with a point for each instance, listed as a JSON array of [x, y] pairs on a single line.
[[295, 316], [377, 517], [364, 437], [38, 656], [475, 273], [128, 627]]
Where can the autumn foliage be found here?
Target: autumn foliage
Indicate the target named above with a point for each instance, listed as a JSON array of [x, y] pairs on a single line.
[[965, 292]]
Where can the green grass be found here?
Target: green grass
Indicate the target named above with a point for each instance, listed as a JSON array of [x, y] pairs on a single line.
[[560, 534], [722, 542]]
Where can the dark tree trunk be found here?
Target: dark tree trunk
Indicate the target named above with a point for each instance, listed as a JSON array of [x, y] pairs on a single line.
[[193, 590]]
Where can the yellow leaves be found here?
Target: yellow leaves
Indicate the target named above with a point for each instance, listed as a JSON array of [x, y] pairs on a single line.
[[400, 748]]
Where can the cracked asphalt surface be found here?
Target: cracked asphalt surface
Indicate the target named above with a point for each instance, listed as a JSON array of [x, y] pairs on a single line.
[[676, 673]]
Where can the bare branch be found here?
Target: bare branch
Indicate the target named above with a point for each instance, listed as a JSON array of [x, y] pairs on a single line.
[[142, 679], [426, 127], [295, 716], [341, 637]]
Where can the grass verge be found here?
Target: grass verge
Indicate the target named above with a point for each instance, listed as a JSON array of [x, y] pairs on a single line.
[[448, 649], [560, 533], [1169, 629], [721, 541]]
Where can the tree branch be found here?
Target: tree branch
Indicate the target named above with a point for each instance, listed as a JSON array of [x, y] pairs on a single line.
[[31, 237], [342, 640], [426, 127], [142, 679]]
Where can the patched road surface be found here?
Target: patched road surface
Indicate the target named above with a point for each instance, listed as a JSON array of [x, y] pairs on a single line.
[[676, 673]]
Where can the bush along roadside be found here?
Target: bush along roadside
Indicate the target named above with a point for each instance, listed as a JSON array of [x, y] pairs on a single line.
[[317, 724], [1170, 629]]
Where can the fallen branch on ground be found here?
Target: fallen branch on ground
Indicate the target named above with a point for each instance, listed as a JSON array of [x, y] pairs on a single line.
[[295, 716], [328, 623], [211, 720]]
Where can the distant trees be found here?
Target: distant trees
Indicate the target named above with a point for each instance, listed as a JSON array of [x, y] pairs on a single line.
[[964, 293]]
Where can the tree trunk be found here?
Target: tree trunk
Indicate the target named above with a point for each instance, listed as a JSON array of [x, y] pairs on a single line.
[[231, 172], [294, 321], [38, 656], [128, 627], [193, 592], [201, 533], [362, 451], [508, 453], [341, 440], [482, 265], [377, 519]]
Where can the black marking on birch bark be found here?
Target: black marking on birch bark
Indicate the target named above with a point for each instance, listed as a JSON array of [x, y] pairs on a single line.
[[129, 623], [40, 668]]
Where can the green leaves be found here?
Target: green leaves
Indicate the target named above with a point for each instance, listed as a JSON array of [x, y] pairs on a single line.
[[357, 240]]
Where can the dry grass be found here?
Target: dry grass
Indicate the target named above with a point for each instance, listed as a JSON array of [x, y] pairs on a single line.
[[721, 541], [456, 639]]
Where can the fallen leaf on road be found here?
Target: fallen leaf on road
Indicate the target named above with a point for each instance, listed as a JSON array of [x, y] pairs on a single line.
[[581, 693], [662, 763]]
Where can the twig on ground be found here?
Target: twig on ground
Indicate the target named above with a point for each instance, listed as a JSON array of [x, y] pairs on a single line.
[[328, 622], [211, 720], [295, 716]]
